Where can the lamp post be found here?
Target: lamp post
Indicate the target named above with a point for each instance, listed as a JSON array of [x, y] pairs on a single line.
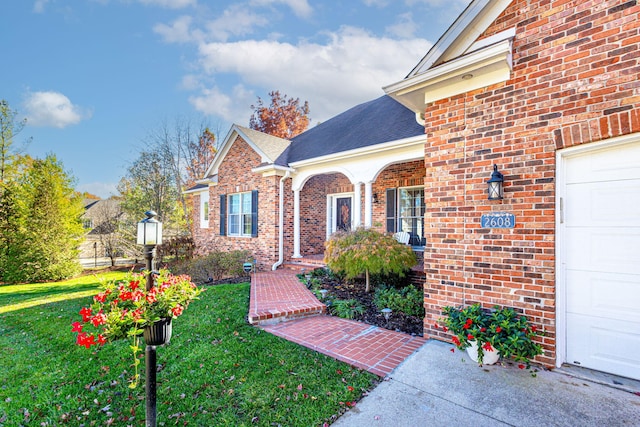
[[150, 235]]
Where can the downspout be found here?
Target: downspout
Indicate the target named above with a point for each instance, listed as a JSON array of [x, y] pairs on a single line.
[[281, 224]]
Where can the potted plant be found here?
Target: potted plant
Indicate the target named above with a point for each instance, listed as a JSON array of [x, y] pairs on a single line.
[[500, 332], [124, 309]]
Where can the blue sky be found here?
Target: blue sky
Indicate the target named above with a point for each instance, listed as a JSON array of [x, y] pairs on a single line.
[[94, 78]]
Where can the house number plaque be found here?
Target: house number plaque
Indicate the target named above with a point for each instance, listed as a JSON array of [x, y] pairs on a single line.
[[498, 220]]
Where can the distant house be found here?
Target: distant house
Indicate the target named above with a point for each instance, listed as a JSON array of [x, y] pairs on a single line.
[[545, 90], [99, 221]]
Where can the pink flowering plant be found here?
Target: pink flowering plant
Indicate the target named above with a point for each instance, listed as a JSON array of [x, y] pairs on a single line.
[[124, 308], [501, 329]]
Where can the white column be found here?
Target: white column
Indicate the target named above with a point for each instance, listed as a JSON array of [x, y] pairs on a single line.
[[368, 204], [296, 224], [357, 205]]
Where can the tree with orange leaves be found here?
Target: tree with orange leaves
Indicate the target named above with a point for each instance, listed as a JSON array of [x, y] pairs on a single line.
[[284, 117]]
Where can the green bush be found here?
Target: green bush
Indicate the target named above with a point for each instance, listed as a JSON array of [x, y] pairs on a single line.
[[408, 300], [214, 266], [347, 308]]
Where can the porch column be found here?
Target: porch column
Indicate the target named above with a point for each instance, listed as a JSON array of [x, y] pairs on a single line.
[[357, 208], [296, 224], [368, 204]]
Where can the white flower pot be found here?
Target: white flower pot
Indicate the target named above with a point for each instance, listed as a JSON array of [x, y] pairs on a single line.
[[489, 357]]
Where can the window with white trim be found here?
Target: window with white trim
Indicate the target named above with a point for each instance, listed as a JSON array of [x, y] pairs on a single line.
[[204, 209], [405, 212], [239, 214]]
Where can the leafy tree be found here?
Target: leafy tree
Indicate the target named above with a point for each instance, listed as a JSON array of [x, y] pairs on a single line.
[[365, 250], [45, 220], [284, 117], [9, 128], [188, 152]]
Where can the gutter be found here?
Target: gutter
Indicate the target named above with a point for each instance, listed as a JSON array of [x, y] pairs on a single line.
[[281, 223]]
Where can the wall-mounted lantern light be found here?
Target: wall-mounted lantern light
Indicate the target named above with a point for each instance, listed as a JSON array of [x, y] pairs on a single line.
[[375, 198], [495, 189]]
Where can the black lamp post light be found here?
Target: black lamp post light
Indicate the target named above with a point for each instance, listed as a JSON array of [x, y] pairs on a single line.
[[495, 188], [150, 235]]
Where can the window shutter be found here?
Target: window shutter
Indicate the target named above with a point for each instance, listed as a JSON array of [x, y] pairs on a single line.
[[391, 210], [223, 214], [254, 213]]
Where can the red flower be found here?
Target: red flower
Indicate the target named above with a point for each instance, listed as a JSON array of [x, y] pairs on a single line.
[[466, 326], [134, 284], [101, 297], [99, 319], [534, 328], [76, 327], [151, 298], [521, 366], [455, 340], [125, 295], [470, 337], [349, 388], [483, 329], [498, 329], [85, 340], [177, 310], [435, 325], [102, 340], [487, 346], [452, 350], [86, 314], [444, 328]]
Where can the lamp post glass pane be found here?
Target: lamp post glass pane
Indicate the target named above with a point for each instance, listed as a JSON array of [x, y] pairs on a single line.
[[149, 233]]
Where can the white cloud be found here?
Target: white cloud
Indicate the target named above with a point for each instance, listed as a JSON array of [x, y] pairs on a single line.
[[300, 8], [349, 69], [170, 4], [404, 28], [233, 107], [52, 109], [177, 32], [38, 6]]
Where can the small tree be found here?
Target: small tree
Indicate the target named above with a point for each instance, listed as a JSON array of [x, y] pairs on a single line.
[[284, 118], [367, 251]]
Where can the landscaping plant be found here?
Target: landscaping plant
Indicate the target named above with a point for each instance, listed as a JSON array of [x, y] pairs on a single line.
[[367, 251], [501, 329], [124, 308]]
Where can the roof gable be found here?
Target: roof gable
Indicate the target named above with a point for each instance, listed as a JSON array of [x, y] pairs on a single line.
[[268, 147], [459, 62]]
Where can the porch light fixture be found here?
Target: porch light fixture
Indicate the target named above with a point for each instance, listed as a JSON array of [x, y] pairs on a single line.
[[375, 198], [150, 230], [495, 189]]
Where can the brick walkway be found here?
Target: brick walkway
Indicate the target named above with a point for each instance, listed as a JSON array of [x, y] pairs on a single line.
[[283, 306]]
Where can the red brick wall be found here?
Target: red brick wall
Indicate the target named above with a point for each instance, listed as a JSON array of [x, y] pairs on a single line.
[[235, 176], [574, 81]]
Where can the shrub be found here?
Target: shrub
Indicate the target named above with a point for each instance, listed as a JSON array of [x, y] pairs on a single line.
[[408, 300], [347, 308], [365, 250], [215, 266]]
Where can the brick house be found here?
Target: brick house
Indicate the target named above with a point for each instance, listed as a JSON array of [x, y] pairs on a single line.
[[281, 199], [548, 91], [545, 90]]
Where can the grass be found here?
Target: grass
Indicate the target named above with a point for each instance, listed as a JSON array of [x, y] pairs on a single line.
[[218, 370]]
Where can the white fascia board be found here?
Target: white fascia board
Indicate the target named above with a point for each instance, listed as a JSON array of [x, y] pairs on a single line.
[[271, 170], [450, 36], [489, 65], [358, 152]]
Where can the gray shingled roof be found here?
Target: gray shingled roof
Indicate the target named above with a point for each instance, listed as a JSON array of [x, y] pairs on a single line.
[[374, 122]]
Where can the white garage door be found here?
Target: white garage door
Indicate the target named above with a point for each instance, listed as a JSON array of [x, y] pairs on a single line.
[[602, 259]]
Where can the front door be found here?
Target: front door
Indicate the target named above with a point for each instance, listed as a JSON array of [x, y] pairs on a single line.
[[343, 213]]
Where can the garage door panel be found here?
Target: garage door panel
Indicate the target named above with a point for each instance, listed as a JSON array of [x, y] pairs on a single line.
[[605, 165], [598, 295], [603, 249], [600, 253], [605, 345], [603, 204]]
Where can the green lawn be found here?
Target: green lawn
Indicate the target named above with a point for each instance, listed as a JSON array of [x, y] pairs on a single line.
[[217, 371]]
